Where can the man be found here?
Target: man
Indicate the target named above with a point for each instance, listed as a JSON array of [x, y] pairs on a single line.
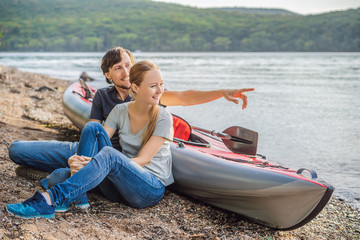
[[116, 63]]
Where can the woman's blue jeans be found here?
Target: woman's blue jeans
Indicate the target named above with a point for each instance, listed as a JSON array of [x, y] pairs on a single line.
[[52, 156], [138, 187]]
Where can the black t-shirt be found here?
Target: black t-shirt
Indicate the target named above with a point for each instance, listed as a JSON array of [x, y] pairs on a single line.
[[104, 101]]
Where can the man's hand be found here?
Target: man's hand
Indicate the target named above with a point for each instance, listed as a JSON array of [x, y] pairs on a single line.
[[232, 95], [77, 162]]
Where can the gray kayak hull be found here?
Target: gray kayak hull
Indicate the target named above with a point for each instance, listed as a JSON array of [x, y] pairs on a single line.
[[273, 198]]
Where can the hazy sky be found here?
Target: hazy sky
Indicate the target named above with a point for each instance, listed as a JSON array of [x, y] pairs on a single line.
[[298, 6]]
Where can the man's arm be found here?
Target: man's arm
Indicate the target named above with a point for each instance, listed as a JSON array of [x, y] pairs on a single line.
[[96, 113], [193, 97], [94, 120]]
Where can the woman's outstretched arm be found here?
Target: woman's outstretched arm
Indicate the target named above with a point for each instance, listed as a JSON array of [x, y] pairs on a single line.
[[194, 97]]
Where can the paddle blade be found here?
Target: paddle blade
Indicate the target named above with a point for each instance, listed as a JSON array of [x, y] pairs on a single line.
[[247, 143]]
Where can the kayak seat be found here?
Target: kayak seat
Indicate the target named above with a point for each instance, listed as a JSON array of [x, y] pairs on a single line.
[[183, 134], [182, 129]]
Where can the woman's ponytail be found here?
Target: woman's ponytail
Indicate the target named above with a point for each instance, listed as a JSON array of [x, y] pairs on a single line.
[[153, 116]]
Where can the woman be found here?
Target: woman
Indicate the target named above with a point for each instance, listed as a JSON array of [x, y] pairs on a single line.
[[140, 172], [54, 156]]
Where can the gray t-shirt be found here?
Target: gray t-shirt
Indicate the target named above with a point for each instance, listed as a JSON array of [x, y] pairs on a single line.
[[161, 164]]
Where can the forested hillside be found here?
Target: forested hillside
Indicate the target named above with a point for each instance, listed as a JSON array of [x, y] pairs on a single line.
[[259, 10], [93, 25]]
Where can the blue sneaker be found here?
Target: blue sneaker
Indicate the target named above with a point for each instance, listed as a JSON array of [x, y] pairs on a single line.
[[34, 207], [79, 202]]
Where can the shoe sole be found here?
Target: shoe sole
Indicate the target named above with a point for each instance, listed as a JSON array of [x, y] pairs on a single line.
[[82, 207], [30, 173], [27, 217]]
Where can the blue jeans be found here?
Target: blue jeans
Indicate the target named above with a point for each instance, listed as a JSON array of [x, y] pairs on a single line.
[[106, 187], [138, 187], [50, 156], [43, 155]]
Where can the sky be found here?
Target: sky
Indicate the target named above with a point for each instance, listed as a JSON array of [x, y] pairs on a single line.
[[297, 6]]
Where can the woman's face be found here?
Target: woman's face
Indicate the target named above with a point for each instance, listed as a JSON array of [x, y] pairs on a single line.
[[151, 88], [119, 72]]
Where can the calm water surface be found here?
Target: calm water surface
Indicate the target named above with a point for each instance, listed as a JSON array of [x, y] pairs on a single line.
[[305, 107]]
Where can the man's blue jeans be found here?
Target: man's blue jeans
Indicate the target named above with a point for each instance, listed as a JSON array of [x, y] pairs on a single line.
[[43, 155], [136, 185]]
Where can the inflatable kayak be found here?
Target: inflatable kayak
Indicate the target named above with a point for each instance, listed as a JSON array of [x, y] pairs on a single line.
[[223, 170]]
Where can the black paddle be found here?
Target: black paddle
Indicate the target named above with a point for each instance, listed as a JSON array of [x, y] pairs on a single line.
[[236, 139]]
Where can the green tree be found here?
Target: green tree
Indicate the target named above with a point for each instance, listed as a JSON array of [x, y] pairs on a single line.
[[35, 44], [93, 43], [222, 43], [182, 42]]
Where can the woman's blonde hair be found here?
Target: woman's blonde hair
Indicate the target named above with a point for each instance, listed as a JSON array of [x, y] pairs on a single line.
[[137, 73]]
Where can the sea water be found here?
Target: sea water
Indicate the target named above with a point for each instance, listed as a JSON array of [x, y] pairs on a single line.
[[305, 107]]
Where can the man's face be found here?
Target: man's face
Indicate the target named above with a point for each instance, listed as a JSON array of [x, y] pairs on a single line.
[[119, 72]]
